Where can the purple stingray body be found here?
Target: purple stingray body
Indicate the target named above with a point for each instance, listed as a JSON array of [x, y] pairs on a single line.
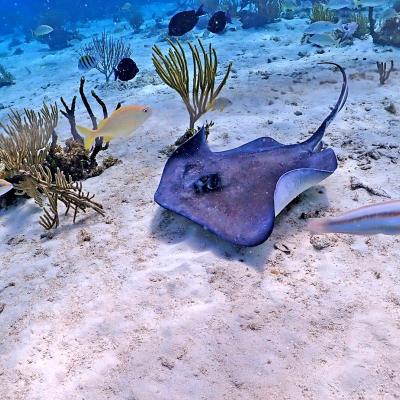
[[237, 193]]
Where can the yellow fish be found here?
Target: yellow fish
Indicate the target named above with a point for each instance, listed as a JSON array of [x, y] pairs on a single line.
[[121, 123], [5, 187]]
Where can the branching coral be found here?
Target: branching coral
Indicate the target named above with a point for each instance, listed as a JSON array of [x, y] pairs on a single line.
[[135, 20], [25, 151], [173, 69], [320, 12], [26, 139], [384, 71], [389, 33], [69, 113], [362, 25], [6, 78], [48, 191], [258, 13], [108, 53]]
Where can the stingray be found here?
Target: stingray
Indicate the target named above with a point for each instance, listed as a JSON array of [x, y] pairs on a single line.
[[236, 194]]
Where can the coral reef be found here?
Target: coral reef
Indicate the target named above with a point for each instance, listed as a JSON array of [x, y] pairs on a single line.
[[86, 166], [389, 34], [25, 148], [231, 6], [363, 25], [173, 69], [320, 12], [384, 71], [261, 13], [38, 167], [59, 39], [108, 51], [135, 20], [26, 138], [49, 190], [6, 78]]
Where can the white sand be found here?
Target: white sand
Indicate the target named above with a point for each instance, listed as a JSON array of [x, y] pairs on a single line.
[[154, 308]]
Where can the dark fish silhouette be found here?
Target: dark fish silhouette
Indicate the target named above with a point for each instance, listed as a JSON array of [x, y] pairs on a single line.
[[237, 193], [218, 21], [126, 70], [184, 22]]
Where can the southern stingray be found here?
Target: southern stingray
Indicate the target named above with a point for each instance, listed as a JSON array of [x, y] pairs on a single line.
[[237, 193]]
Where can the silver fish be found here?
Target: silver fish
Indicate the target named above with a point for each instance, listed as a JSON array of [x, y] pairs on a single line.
[[368, 220], [322, 39]]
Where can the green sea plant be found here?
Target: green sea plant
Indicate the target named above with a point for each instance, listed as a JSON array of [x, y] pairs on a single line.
[[199, 91], [363, 25], [320, 12], [6, 78], [26, 147], [108, 52], [270, 9]]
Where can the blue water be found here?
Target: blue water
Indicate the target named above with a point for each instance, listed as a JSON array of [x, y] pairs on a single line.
[[26, 14]]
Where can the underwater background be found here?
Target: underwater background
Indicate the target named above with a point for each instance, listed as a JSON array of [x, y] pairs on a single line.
[[110, 288]]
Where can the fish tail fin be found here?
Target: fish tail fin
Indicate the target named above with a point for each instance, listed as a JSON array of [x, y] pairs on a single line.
[[88, 134], [200, 11], [318, 225]]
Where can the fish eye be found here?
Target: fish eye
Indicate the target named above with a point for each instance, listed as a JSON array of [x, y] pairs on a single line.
[[146, 110]]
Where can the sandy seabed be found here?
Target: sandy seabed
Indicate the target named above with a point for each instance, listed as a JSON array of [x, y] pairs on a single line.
[[144, 305]]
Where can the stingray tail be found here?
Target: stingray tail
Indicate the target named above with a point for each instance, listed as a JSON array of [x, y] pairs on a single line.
[[316, 138]]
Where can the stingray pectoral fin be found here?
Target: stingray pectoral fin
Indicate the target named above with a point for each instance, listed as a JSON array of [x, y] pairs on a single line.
[[295, 182], [256, 146]]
